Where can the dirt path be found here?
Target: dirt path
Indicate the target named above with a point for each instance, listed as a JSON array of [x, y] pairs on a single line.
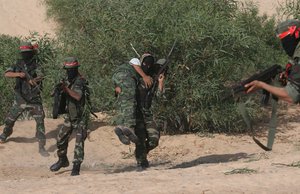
[[181, 163]]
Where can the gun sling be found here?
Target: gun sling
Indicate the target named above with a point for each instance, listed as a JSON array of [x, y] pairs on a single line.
[[272, 124]]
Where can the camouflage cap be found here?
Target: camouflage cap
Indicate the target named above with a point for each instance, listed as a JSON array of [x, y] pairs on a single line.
[[286, 26], [71, 62], [26, 46], [161, 62]]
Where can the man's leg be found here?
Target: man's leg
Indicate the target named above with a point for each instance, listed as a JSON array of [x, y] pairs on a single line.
[[81, 134], [127, 112], [62, 146], [38, 114], [140, 147], [14, 112], [152, 131]]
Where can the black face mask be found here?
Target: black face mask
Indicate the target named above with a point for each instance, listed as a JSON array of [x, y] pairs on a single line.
[[72, 73], [27, 55], [147, 63], [289, 44]]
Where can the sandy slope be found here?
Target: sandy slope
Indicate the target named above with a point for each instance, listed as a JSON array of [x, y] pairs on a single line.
[[20, 17], [181, 163]]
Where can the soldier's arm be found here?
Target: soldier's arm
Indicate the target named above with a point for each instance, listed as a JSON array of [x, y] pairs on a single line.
[[76, 92], [147, 79], [279, 92], [14, 74], [11, 73], [161, 80]]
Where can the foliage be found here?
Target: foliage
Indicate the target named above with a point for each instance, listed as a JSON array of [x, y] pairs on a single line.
[[8, 56], [289, 9], [218, 43]]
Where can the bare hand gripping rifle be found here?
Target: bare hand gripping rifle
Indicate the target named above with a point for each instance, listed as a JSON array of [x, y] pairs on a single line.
[[265, 76]]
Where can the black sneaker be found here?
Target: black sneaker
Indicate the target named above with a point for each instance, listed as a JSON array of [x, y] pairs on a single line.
[[130, 134], [123, 138]]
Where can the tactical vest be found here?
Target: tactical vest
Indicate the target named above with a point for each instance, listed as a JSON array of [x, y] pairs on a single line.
[[29, 93]]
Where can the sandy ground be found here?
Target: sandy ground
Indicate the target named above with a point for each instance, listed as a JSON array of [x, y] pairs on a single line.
[[182, 164], [20, 17]]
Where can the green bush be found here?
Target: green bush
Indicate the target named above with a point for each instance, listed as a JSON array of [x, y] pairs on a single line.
[[218, 43]]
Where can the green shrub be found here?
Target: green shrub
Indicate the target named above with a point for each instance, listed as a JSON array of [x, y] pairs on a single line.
[[218, 43]]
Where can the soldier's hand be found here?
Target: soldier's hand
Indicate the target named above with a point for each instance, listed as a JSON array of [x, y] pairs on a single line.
[[63, 86], [32, 82], [161, 77], [21, 75], [118, 90], [148, 81], [253, 86]]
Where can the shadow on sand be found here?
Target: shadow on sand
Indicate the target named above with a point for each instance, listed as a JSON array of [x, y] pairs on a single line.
[[212, 159]]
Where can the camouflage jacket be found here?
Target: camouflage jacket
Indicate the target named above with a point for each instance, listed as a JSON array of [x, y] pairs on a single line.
[[76, 109], [123, 72], [31, 94]]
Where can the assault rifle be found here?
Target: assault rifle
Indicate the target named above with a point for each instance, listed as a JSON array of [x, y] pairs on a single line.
[[162, 70], [264, 76], [32, 84], [59, 101]]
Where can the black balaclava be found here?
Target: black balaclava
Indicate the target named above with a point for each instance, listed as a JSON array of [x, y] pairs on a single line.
[[27, 56], [72, 73], [147, 63], [289, 44]]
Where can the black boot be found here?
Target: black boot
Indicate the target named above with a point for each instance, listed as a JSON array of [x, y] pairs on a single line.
[[3, 138], [62, 162], [76, 169], [142, 165]]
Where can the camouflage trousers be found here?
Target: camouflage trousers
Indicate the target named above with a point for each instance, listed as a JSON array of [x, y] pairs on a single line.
[[148, 134], [35, 110], [63, 137], [126, 104]]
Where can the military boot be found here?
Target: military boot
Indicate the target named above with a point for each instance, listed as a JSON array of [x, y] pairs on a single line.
[[76, 168], [142, 165], [124, 139], [62, 162], [3, 138]]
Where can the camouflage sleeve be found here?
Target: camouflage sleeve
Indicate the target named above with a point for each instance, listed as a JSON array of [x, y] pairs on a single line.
[[119, 77], [78, 87], [293, 92], [11, 69]]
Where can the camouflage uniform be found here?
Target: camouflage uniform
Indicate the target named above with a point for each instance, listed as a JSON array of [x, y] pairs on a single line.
[[27, 98], [76, 119], [146, 129], [293, 86], [126, 78]]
